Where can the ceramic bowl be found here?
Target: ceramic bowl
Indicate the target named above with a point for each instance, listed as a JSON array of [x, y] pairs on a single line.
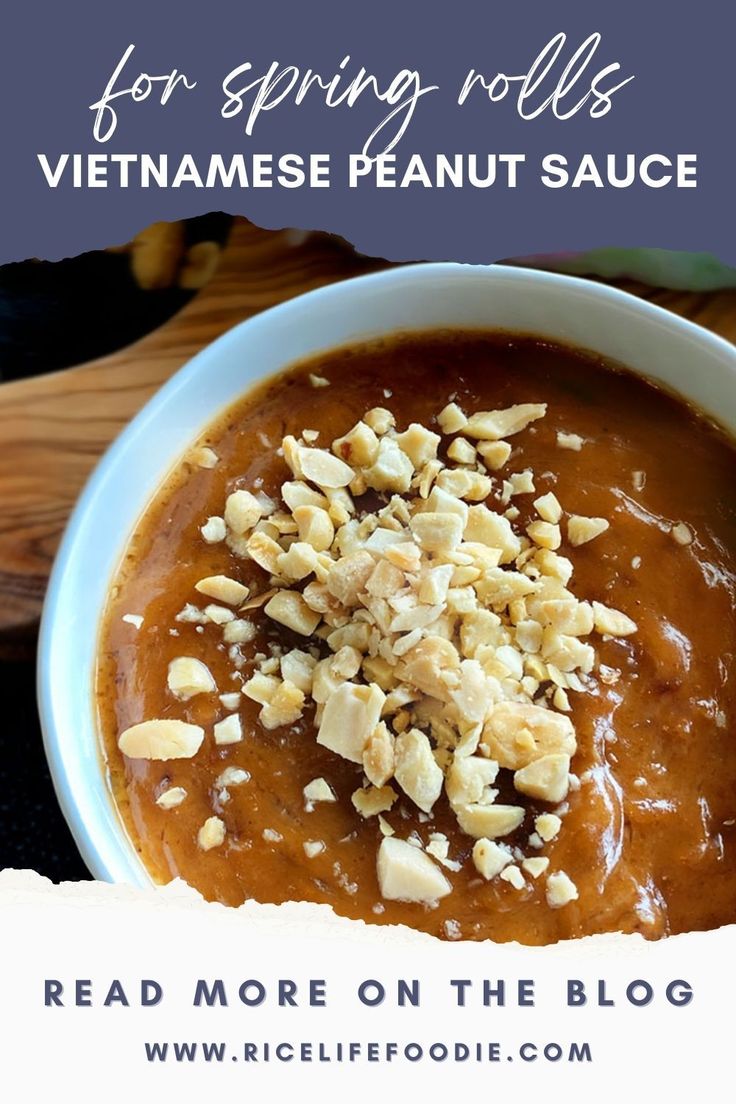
[[659, 345]]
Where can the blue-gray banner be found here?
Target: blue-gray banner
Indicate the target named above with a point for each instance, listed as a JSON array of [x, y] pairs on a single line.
[[418, 129]]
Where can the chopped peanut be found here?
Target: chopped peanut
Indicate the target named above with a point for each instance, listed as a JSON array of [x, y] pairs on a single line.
[[490, 858], [284, 708], [548, 825], [548, 508], [580, 530], [545, 779], [451, 419], [545, 534], [289, 608], [223, 589], [517, 734], [229, 730], [437, 532], [416, 770], [359, 447], [494, 453], [162, 739], [535, 866], [462, 451], [350, 717], [214, 530], [443, 645], [211, 834], [560, 890], [242, 511], [681, 534], [320, 467], [188, 676], [315, 527], [171, 798], [205, 457], [612, 622], [570, 441], [372, 801], [496, 424], [379, 756], [406, 874], [380, 420], [419, 444], [318, 790], [489, 821]]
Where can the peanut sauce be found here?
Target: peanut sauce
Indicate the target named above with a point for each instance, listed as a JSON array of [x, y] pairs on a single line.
[[649, 837]]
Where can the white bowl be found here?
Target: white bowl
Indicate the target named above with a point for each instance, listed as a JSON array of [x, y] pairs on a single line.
[[653, 342]]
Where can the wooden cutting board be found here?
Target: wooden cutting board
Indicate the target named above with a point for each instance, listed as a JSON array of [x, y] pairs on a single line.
[[54, 428]]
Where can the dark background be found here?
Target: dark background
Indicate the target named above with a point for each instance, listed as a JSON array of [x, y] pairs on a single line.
[[33, 833], [54, 315]]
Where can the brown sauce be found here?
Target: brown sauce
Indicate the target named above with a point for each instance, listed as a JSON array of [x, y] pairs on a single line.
[[649, 839]]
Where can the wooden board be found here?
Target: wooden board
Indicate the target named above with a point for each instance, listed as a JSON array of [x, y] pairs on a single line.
[[54, 428]]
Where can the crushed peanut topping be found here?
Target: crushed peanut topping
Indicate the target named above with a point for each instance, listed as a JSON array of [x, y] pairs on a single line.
[[535, 866], [439, 644], [161, 739], [229, 730], [211, 834], [406, 873], [560, 890], [223, 589], [189, 676], [451, 419], [372, 801], [548, 508], [547, 825], [580, 530], [233, 776], [171, 798], [681, 534], [513, 875], [204, 457], [570, 441], [490, 858], [494, 453], [317, 790], [312, 848]]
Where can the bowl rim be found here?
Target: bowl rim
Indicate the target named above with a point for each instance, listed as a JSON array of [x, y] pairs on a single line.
[[110, 855]]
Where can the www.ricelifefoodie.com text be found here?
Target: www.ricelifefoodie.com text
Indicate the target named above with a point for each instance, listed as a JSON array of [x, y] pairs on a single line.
[[308, 1051]]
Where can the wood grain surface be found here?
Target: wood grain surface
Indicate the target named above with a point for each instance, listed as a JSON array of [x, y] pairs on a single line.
[[54, 428]]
